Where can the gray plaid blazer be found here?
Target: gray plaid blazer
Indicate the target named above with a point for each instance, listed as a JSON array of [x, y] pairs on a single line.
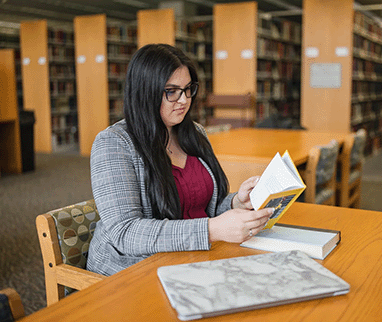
[[127, 233]]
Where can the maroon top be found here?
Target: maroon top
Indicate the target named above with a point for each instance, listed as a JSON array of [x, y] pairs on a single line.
[[195, 188]]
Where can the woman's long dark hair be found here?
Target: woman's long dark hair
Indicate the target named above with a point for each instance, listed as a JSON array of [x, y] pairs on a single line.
[[147, 75]]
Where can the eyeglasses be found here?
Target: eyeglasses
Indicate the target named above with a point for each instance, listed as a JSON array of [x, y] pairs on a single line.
[[174, 94]]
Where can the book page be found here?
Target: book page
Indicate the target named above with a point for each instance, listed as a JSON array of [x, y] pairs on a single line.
[[290, 164], [277, 177]]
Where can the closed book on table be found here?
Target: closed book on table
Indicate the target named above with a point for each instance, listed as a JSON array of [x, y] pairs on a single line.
[[211, 288], [315, 242]]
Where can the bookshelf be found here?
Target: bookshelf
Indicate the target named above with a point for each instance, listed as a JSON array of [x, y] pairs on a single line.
[[194, 36], [47, 55], [103, 50], [366, 110], [278, 68], [10, 143]]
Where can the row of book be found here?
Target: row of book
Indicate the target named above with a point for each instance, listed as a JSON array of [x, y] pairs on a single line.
[[287, 109], [366, 25], [117, 69], [121, 50], [66, 140], [200, 30], [367, 88], [371, 47], [268, 49], [121, 33], [64, 122], [60, 52], [115, 110], [366, 68], [277, 90], [196, 51], [58, 87], [277, 70], [365, 112], [60, 36], [279, 29], [116, 87], [63, 70]]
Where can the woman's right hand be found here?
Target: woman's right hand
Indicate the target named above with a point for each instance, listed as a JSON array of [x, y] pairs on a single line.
[[234, 225]]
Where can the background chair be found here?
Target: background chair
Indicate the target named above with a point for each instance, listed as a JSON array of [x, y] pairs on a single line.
[[11, 307], [242, 108], [64, 236], [350, 170], [320, 174]]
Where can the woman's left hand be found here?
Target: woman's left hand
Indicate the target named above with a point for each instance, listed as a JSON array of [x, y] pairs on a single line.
[[241, 199]]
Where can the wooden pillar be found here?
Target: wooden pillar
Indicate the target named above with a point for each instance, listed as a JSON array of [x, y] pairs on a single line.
[[156, 26], [35, 79], [327, 65]]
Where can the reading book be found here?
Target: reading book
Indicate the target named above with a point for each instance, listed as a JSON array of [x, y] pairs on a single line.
[[278, 187], [204, 289], [315, 242]]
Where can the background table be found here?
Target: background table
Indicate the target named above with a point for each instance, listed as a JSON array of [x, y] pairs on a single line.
[[245, 152], [135, 294]]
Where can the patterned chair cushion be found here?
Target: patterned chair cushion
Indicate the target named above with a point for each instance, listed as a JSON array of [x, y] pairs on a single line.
[[323, 194], [75, 225], [327, 163], [5, 310], [357, 152]]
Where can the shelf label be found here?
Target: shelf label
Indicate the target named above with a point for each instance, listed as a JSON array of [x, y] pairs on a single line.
[[342, 51], [42, 61], [81, 59], [221, 54], [246, 54], [26, 61], [325, 75], [311, 52], [100, 58]]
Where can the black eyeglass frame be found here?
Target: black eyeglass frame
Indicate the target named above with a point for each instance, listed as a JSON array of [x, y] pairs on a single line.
[[182, 90]]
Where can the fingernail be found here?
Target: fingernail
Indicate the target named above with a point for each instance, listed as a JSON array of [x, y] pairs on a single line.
[[272, 211]]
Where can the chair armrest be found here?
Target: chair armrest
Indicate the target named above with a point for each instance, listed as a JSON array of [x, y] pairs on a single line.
[[75, 277], [15, 303]]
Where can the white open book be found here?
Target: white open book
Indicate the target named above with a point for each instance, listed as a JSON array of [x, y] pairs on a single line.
[[279, 186]]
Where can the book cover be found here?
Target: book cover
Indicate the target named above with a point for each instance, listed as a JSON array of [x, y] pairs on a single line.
[[315, 242], [211, 288], [278, 187]]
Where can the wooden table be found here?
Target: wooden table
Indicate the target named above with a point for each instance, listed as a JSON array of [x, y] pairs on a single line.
[[245, 152], [135, 294]]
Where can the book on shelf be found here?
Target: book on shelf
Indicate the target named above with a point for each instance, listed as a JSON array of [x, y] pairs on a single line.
[[231, 285], [278, 187], [315, 242]]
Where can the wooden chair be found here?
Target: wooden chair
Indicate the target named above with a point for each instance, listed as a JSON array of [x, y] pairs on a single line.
[[11, 307], [320, 174], [349, 171], [64, 236], [242, 109]]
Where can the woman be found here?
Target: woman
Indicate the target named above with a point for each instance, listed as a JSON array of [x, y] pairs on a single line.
[[156, 168]]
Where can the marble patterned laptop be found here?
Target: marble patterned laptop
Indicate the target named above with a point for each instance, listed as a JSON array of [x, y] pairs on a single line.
[[204, 289]]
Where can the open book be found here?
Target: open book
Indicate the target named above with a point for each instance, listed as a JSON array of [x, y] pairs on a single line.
[[279, 186]]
